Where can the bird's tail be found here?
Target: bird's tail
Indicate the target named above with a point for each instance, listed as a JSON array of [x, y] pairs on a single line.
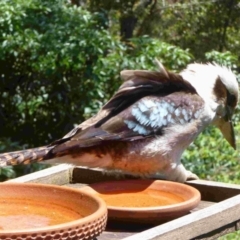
[[24, 156]]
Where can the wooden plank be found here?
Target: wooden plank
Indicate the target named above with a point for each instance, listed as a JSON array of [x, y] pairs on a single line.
[[119, 231], [202, 205], [215, 191], [87, 175], [215, 234], [59, 175], [106, 235], [196, 224]]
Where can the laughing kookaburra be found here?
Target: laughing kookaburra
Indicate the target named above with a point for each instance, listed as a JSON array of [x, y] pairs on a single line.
[[145, 127]]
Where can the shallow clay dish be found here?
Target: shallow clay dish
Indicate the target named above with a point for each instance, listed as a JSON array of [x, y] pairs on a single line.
[[145, 201], [38, 211]]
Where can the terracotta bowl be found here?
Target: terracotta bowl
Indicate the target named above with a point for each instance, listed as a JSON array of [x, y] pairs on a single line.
[[145, 201], [39, 211]]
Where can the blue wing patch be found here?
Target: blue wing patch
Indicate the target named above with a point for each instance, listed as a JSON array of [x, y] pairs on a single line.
[[151, 114]]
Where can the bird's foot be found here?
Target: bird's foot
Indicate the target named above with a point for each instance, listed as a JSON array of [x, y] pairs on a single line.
[[191, 176]]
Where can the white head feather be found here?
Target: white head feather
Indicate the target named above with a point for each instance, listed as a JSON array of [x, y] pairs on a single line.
[[203, 77]]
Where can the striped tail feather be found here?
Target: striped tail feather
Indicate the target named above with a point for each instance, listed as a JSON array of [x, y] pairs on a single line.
[[24, 156]]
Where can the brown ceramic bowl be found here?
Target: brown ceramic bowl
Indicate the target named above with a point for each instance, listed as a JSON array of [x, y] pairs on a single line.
[[39, 211], [145, 201]]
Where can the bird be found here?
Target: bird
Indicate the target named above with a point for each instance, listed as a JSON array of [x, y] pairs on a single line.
[[148, 123]]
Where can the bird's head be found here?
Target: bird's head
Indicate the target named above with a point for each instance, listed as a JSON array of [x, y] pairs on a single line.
[[219, 88]]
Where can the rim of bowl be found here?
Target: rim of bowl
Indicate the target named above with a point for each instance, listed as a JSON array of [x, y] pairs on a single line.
[[101, 210], [194, 200]]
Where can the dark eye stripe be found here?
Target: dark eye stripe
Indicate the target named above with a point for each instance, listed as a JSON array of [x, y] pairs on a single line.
[[231, 100], [222, 92]]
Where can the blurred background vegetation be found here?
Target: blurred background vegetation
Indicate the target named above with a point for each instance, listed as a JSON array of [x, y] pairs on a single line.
[[60, 62]]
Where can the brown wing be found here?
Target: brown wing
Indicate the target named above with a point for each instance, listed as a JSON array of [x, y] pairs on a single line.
[[137, 84], [132, 113]]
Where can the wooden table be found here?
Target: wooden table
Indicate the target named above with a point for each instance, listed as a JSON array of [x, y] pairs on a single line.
[[217, 214]]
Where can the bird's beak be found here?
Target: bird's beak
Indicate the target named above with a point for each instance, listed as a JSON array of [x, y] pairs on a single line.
[[228, 133], [227, 129]]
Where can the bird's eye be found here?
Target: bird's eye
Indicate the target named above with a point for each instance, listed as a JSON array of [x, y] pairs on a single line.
[[231, 100]]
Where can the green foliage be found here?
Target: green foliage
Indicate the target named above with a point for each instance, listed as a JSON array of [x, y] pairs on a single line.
[[202, 26], [63, 63], [212, 158], [226, 59], [171, 56], [231, 236], [59, 63], [50, 48]]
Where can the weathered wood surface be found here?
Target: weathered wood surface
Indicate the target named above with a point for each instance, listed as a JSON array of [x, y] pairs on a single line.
[[217, 214], [215, 191], [194, 225], [58, 175]]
